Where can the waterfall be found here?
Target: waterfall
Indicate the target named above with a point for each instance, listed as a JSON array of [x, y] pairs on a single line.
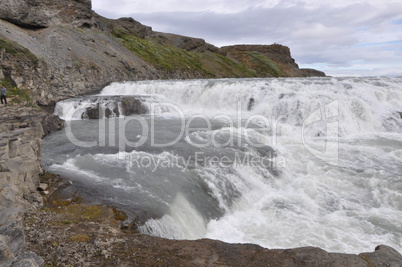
[[279, 162]]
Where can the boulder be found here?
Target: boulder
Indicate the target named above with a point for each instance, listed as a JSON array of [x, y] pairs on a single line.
[[43, 187], [45, 13], [108, 106], [24, 13], [383, 256], [91, 113], [132, 105]]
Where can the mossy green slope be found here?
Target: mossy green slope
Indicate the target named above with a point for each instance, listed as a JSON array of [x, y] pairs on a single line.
[[210, 64], [262, 65], [18, 54], [17, 51]]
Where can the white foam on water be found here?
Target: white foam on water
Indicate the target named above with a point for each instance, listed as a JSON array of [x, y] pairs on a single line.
[[339, 186], [312, 204], [182, 221], [362, 104]]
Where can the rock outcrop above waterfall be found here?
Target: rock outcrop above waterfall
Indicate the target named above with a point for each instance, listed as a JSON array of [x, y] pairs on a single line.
[[268, 60], [56, 50]]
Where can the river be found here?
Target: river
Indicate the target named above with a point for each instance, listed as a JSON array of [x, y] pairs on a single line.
[[282, 162]]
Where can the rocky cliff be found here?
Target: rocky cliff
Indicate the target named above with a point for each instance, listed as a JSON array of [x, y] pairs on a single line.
[[268, 60], [21, 133], [59, 49]]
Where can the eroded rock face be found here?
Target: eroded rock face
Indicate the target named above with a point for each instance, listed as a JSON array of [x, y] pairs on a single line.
[[383, 256], [187, 43], [283, 63], [23, 13], [276, 52], [312, 73], [44, 13], [21, 131]]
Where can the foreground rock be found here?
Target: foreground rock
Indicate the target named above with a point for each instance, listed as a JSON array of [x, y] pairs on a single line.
[[68, 232], [21, 131]]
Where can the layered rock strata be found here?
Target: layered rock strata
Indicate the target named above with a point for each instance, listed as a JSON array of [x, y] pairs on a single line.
[[21, 132]]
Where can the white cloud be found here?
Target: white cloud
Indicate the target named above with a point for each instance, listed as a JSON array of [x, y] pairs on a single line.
[[125, 7], [356, 35]]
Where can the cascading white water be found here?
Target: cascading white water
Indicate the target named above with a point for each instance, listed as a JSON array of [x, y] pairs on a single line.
[[334, 180], [369, 104], [77, 108]]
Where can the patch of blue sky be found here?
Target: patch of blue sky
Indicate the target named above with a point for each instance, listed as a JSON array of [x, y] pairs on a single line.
[[317, 66], [380, 43], [398, 21]]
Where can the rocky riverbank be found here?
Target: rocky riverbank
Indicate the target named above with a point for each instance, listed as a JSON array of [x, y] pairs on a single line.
[[70, 233], [21, 132]]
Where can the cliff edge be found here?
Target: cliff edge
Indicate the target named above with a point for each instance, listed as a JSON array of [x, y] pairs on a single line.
[[55, 50], [21, 133], [268, 60]]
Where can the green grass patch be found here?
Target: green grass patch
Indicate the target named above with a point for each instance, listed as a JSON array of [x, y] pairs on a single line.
[[18, 51], [17, 95], [20, 96], [74, 213], [162, 56], [119, 215], [261, 64], [238, 69], [209, 64]]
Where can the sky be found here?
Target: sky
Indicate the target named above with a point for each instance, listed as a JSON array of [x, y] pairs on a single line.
[[341, 38]]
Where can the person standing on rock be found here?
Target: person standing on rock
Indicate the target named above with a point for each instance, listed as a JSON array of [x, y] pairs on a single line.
[[3, 91]]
